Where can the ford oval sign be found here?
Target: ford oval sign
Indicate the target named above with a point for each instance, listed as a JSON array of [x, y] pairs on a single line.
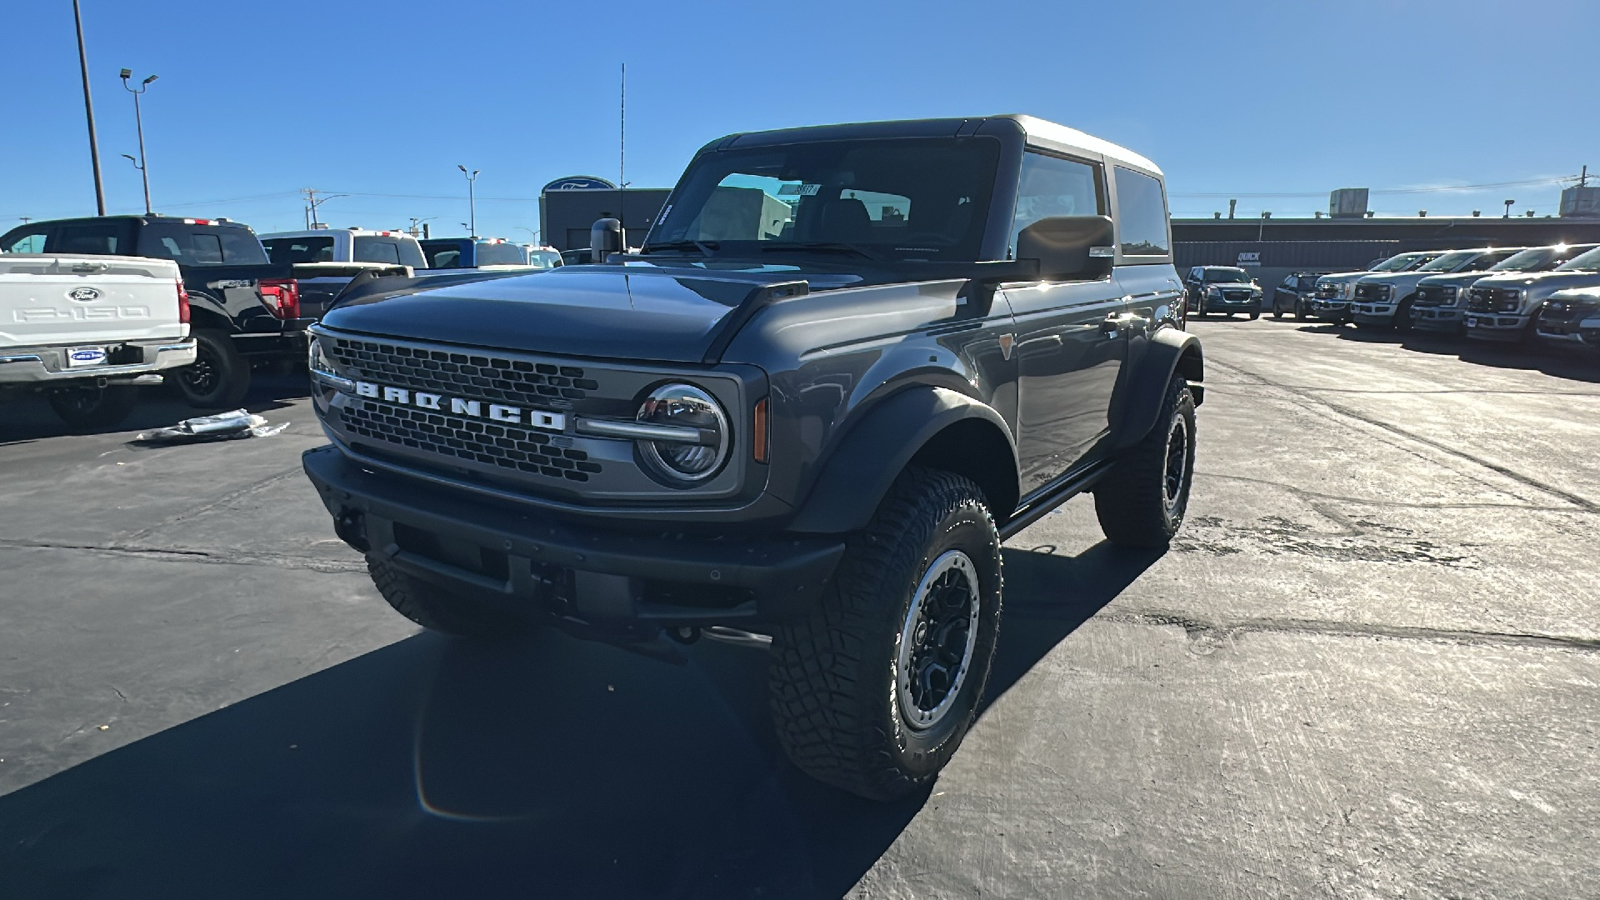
[[84, 294], [578, 183]]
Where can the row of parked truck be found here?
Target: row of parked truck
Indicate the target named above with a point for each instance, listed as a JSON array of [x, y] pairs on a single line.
[[1514, 294], [1547, 294], [95, 307]]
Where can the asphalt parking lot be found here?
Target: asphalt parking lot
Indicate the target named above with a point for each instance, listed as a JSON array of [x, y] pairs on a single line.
[[1369, 668]]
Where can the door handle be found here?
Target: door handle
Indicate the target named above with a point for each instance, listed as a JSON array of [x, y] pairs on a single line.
[[1112, 323]]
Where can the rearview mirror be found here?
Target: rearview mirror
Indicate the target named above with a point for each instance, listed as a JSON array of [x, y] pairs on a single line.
[[1068, 248]]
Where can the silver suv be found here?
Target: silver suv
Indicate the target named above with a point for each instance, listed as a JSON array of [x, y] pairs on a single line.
[[1335, 291], [1441, 303], [1502, 307], [1384, 301]]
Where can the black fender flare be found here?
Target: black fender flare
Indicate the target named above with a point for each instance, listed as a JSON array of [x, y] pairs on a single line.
[[1166, 352], [886, 437]]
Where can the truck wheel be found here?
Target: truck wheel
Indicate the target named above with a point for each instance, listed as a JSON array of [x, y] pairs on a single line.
[[1276, 312], [220, 375], [1142, 500], [1402, 315], [1299, 311], [433, 608], [88, 408], [875, 689], [1255, 314]]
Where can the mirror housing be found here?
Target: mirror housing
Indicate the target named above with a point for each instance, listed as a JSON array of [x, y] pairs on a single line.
[[605, 238], [1069, 248]]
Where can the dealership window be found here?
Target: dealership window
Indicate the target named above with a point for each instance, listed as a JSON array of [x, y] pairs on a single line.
[[1141, 214], [1053, 186]]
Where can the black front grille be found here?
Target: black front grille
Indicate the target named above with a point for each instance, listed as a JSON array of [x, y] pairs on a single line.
[[1434, 295], [1563, 316], [509, 447], [1235, 296], [1493, 300], [1329, 291], [1372, 293], [480, 376]]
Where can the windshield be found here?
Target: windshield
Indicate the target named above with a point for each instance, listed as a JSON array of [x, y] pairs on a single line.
[[1449, 262], [1536, 259], [904, 198], [1405, 262], [1228, 276], [1588, 262]]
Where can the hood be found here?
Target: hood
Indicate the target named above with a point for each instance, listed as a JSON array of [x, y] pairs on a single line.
[[1341, 277], [639, 311], [1458, 279], [1540, 281], [1390, 278]]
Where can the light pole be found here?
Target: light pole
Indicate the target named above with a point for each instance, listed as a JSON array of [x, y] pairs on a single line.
[[531, 231], [88, 108], [472, 201], [138, 120]]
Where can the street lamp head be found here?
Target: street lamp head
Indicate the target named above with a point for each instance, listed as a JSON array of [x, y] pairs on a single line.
[[462, 168], [129, 158], [126, 74], [475, 172], [151, 78]]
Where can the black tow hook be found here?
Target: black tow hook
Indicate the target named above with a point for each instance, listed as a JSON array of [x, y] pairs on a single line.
[[351, 529], [684, 634]]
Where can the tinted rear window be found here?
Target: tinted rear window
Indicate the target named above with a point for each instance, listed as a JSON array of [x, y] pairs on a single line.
[[201, 245], [501, 255], [382, 249], [299, 250]]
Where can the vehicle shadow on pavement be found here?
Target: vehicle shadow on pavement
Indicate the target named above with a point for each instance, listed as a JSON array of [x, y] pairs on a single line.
[[543, 767]]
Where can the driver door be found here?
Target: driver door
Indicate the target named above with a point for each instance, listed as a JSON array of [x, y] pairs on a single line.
[[1069, 348]]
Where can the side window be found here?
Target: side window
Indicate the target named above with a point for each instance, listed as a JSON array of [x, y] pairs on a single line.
[[1052, 186], [24, 240], [1194, 274], [1289, 281], [100, 239], [1141, 214], [367, 249]]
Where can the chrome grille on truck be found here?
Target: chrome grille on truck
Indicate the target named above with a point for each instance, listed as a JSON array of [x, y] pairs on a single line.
[[477, 375], [506, 446]]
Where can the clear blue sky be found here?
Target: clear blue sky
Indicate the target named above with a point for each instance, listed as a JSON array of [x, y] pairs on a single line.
[[380, 100]]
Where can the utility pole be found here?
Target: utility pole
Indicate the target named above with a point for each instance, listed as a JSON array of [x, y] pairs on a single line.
[[138, 119], [1583, 179], [472, 201], [312, 202], [88, 108], [622, 158]]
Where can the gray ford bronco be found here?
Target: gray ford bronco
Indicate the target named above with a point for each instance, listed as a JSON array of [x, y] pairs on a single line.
[[845, 365]]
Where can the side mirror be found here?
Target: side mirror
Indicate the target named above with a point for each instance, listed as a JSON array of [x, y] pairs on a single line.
[[605, 238], [1069, 248]]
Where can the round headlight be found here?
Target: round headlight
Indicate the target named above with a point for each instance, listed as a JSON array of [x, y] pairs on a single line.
[[703, 443]]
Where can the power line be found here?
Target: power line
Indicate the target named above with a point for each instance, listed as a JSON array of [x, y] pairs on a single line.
[[1443, 189]]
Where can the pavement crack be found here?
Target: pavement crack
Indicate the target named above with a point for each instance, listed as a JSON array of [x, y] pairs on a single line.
[[1200, 628], [1394, 504], [203, 508], [232, 556]]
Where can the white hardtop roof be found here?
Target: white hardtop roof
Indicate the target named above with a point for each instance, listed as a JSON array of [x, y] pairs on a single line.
[[1071, 140], [328, 232]]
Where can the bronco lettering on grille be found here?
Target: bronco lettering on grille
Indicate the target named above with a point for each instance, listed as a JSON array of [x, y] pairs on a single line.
[[510, 415]]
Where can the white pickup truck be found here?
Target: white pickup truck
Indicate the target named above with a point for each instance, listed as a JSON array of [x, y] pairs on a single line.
[[87, 330]]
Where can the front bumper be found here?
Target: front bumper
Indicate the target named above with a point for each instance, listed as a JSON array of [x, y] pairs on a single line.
[[1437, 318], [1217, 305], [1331, 310], [1373, 313], [128, 359], [608, 581], [1496, 326]]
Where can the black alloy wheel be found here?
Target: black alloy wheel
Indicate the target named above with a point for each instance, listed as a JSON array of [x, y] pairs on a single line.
[[220, 375]]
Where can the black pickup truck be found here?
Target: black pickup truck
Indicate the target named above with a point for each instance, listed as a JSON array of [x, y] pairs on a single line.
[[846, 364], [244, 308]]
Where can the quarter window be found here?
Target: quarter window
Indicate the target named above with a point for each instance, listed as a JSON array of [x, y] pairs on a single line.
[[1141, 214], [96, 240], [1052, 186]]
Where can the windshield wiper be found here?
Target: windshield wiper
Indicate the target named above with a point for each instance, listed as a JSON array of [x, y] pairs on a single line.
[[705, 247], [818, 246]]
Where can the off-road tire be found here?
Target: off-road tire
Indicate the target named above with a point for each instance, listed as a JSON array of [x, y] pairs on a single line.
[[90, 409], [1132, 500], [435, 609], [220, 375], [834, 676]]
